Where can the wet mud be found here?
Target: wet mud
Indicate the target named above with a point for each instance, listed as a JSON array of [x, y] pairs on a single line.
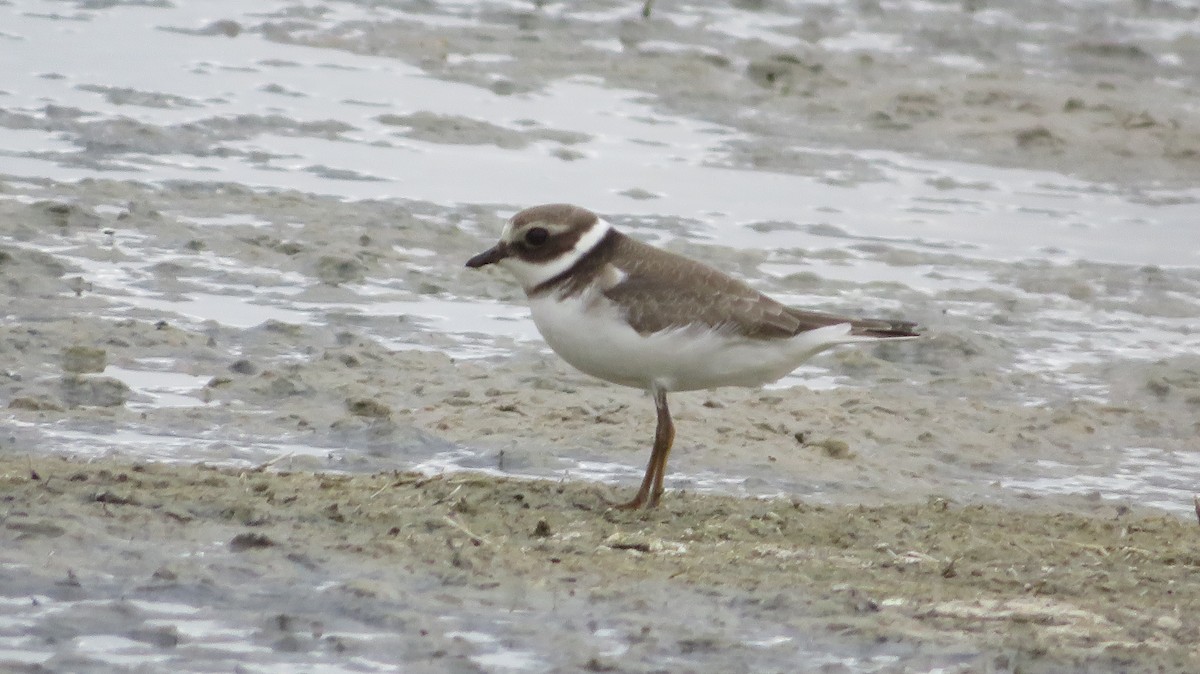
[[936, 583]]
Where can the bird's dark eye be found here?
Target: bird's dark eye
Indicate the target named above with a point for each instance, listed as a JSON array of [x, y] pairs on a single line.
[[536, 236]]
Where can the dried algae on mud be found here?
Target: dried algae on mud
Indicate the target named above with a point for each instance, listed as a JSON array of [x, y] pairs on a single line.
[[1045, 589]]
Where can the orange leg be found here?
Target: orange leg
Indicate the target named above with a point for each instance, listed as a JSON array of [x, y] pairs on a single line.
[[651, 490]]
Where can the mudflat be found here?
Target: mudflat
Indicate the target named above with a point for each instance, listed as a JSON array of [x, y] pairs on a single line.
[[1083, 586]]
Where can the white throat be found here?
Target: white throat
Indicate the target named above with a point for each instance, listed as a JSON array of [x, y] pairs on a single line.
[[532, 274]]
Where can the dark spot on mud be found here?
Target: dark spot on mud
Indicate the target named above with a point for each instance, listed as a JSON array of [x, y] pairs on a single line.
[[250, 541]]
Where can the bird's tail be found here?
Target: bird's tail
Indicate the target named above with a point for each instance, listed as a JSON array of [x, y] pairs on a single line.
[[882, 328]]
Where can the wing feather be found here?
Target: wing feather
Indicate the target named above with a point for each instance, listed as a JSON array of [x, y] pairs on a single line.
[[662, 291]]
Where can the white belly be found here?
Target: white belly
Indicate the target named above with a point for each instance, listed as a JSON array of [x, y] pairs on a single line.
[[597, 340]]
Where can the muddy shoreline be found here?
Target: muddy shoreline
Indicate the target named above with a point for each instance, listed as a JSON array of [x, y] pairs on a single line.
[[248, 252], [976, 586]]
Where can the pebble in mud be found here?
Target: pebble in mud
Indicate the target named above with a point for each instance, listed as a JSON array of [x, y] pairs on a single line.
[[250, 541], [364, 407], [244, 366]]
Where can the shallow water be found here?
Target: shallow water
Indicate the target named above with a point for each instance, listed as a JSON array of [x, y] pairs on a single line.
[[1070, 286]]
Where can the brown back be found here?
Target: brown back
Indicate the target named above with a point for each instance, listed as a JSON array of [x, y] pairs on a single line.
[[661, 291]]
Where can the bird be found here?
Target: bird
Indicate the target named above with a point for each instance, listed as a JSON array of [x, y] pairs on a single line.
[[632, 314]]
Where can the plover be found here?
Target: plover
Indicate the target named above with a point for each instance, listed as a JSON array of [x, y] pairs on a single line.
[[632, 314]]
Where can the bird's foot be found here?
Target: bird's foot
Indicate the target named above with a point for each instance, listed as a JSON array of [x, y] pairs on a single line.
[[634, 504], [638, 502]]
